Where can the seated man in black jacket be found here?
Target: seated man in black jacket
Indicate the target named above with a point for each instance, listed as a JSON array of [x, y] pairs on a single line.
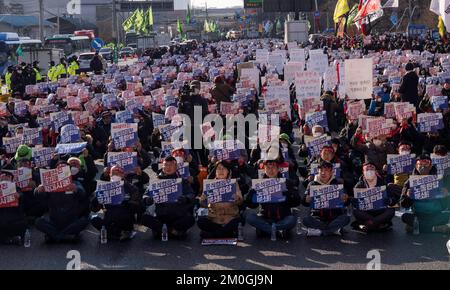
[[278, 213], [325, 222], [65, 220], [177, 216]]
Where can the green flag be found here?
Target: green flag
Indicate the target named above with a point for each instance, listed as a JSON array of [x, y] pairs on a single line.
[[206, 26], [139, 25], [19, 51], [179, 27], [188, 14], [150, 17], [129, 22], [352, 15]]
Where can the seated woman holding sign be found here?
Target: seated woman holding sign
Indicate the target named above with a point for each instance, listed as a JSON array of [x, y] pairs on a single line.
[[177, 215], [275, 208], [326, 219], [374, 216], [119, 219], [66, 217], [223, 217], [430, 206]]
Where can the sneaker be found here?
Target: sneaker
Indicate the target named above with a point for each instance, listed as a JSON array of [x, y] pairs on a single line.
[[310, 232], [440, 229], [338, 232]]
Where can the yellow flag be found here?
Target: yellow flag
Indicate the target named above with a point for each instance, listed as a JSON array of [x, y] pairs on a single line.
[[441, 27], [341, 9]]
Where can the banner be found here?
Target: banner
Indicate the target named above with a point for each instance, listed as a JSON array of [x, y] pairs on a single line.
[[56, 180], [307, 84], [314, 145], [8, 195], [370, 198], [442, 164], [32, 136], [219, 190], [110, 193], [269, 190], [41, 157], [430, 122], [69, 134], [126, 160], [400, 163], [326, 196], [71, 148], [124, 135], [165, 190], [425, 186], [359, 78]]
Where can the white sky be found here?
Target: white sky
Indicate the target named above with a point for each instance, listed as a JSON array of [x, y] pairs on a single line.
[[182, 4]]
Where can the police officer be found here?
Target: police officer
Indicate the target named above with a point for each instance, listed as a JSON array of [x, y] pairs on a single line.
[[51, 74], [61, 69], [37, 71]]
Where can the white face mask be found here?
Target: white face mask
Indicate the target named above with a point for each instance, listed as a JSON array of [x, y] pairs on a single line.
[[405, 152], [317, 134], [136, 120], [74, 170], [116, 178], [370, 174]]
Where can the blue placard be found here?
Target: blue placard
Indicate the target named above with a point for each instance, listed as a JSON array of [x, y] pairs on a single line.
[[32, 136], [124, 135], [439, 102], [315, 145], [42, 156], [183, 170], [124, 117], [69, 134], [317, 118], [126, 160], [165, 190], [226, 150], [370, 198], [158, 120], [425, 186], [400, 163], [60, 119], [170, 101], [110, 101], [168, 130], [97, 43], [326, 196], [430, 122], [269, 190], [71, 148], [442, 164], [110, 193], [221, 190]]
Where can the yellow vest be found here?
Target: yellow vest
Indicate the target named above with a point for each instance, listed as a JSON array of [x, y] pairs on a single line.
[[60, 70], [51, 75], [8, 80], [73, 67], [38, 75]]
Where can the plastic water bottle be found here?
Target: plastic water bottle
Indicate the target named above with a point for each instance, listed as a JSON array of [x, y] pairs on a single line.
[[299, 228], [273, 235], [164, 235], [240, 232], [103, 235], [416, 229], [27, 239]]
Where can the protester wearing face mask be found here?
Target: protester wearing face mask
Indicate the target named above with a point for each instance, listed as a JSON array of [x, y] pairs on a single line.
[[177, 216], [119, 219], [325, 222], [376, 151], [223, 218], [80, 175], [66, 217], [12, 218], [432, 214], [373, 220]]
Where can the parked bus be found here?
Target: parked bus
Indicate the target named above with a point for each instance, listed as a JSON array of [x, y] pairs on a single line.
[[9, 42], [69, 43]]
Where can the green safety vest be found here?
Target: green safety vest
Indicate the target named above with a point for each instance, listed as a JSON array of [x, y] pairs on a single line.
[[60, 70], [38, 75], [8, 80], [51, 75], [72, 70]]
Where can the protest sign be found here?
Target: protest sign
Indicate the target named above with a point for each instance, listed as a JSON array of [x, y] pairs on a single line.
[[69, 134], [358, 78], [70, 148], [110, 193], [56, 180], [226, 150], [326, 196], [42, 156], [60, 119], [165, 190], [314, 145], [317, 118], [442, 164], [8, 195], [370, 198], [330, 78], [32, 136], [167, 131], [126, 160], [22, 177], [81, 118], [400, 163], [439, 102], [124, 135], [158, 119], [389, 110], [227, 108], [404, 110], [219, 190], [317, 62], [425, 186], [297, 55], [11, 144], [430, 122], [291, 68], [269, 190], [124, 117], [307, 84], [355, 109]]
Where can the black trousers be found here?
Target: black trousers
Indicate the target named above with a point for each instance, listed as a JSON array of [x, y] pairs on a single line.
[[114, 223], [51, 229], [181, 224], [374, 218], [227, 230], [12, 229]]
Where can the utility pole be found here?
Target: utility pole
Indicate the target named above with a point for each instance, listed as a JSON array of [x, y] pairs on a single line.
[[41, 20], [115, 31]]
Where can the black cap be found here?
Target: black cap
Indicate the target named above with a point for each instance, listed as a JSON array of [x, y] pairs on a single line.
[[169, 159], [424, 157], [325, 164], [409, 66], [440, 150]]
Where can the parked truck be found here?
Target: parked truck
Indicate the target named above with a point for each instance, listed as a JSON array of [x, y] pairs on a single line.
[[152, 41], [43, 55]]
